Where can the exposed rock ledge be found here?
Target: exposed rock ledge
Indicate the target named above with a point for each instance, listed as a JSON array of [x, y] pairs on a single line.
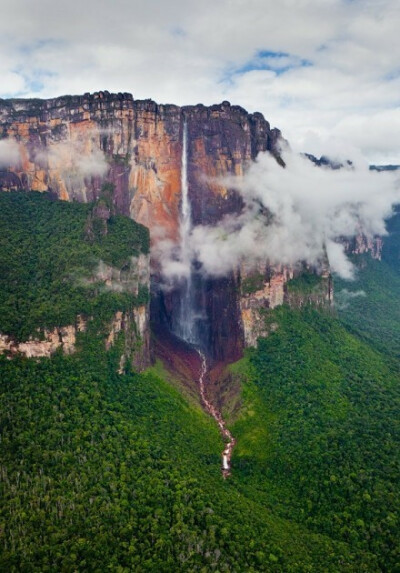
[[136, 327], [134, 324], [60, 337]]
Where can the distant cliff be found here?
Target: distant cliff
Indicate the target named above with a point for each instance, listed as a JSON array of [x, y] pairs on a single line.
[[81, 147], [72, 145]]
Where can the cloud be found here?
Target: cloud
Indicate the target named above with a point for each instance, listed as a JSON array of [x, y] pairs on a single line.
[[338, 261], [251, 53], [92, 165], [295, 214], [9, 153], [344, 297], [77, 159]]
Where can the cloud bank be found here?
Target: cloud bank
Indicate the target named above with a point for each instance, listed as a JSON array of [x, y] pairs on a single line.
[[292, 215], [315, 69]]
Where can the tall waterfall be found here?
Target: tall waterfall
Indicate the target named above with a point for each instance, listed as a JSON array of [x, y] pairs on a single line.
[[189, 318], [186, 327]]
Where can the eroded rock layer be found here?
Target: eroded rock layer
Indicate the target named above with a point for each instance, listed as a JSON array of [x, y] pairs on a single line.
[[72, 145], [75, 145], [80, 147]]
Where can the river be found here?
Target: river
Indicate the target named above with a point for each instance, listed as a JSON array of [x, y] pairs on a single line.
[[216, 414]]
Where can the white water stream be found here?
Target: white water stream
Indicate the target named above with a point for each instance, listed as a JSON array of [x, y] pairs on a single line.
[[230, 440], [187, 319], [187, 327]]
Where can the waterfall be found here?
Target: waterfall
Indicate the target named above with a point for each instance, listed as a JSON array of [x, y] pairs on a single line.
[[186, 327]]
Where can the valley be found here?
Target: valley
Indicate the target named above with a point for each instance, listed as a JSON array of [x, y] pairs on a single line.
[[171, 418]]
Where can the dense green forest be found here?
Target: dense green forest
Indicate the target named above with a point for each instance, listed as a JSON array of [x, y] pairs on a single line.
[[319, 432], [48, 252], [369, 305], [108, 472], [319, 436], [104, 471]]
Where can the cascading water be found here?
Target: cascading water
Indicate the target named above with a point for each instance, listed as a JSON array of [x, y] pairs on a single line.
[[186, 326], [230, 440]]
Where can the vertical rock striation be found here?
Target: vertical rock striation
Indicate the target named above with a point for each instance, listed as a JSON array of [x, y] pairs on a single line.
[[76, 146]]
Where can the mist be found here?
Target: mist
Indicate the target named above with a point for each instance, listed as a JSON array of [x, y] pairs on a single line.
[[9, 153], [344, 297], [292, 215], [77, 159]]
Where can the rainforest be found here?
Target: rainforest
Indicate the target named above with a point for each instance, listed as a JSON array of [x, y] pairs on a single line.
[[188, 381]]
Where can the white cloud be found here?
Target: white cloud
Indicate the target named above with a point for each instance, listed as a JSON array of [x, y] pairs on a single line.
[[77, 159], [186, 52], [9, 153], [344, 297], [295, 214]]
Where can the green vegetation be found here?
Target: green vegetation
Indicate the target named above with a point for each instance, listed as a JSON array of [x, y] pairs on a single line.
[[96, 468], [372, 308], [374, 313], [319, 434], [122, 159], [103, 471], [305, 283], [47, 257], [318, 437], [253, 283]]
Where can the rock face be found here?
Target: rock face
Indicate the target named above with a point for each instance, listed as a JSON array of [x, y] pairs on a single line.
[[133, 323], [270, 286], [74, 145], [136, 327], [44, 346], [71, 145], [361, 244]]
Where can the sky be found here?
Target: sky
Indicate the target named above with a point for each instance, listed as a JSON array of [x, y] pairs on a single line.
[[325, 72]]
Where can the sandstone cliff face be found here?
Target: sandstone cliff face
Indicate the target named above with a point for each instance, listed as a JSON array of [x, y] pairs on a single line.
[[73, 145], [130, 278], [136, 327], [134, 323], [261, 289], [267, 287], [44, 346], [362, 244], [222, 140]]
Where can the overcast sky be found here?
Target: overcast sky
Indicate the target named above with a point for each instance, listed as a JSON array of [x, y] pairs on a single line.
[[326, 72]]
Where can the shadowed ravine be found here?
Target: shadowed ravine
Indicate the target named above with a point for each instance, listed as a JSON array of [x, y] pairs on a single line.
[[187, 327], [226, 434], [188, 364]]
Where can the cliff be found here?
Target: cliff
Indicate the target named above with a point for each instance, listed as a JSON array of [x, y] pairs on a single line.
[[270, 286], [72, 145], [82, 147], [72, 274], [361, 244], [75, 145]]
